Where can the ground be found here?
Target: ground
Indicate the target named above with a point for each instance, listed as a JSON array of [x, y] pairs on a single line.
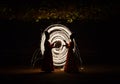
[[90, 74]]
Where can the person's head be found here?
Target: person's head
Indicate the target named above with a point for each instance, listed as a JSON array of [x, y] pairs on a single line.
[[47, 35], [72, 36]]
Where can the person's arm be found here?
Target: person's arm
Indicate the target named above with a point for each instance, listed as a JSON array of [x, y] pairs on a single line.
[[66, 44], [52, 45]]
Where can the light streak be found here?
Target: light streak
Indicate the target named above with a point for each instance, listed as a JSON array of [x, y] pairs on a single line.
[[59, 33]]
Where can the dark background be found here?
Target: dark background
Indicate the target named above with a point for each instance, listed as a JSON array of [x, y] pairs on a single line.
[[96, 34], [96, 39]]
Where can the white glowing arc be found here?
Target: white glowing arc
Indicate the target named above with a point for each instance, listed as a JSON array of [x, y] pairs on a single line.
[[60, 33]]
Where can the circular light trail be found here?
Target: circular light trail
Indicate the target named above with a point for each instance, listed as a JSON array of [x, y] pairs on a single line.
[[58, 35]]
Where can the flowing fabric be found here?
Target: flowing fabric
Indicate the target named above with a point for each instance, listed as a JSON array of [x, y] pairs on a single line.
[[47, 63], [72, 61]]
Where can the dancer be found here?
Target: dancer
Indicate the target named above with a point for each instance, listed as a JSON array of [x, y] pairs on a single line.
[[47, 63], [72, 63]]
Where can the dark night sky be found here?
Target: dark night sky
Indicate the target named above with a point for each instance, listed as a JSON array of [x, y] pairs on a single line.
[[96, 39]]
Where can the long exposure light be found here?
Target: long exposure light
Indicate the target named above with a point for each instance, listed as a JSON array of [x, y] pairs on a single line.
[[58, 35]]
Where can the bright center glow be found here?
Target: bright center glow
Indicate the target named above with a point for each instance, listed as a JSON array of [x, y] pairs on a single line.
[[58, 34]]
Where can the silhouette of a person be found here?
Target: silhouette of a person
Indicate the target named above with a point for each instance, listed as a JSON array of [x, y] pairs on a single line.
[[47, 64], [71, 65]]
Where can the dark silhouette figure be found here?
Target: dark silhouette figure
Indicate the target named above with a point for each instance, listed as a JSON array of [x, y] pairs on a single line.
[[72, 63], [47, 63]]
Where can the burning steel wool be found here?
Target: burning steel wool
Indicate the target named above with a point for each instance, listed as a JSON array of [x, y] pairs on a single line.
[[59, 36]]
